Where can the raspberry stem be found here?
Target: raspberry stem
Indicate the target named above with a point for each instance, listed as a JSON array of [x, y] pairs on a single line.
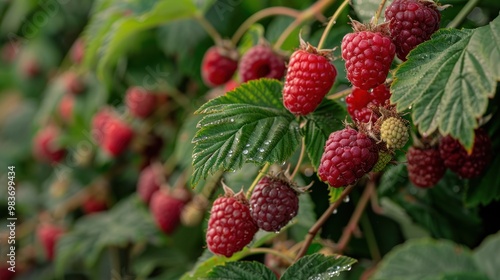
[[319, 223], [273, 11], [340, 94], [261, 174], [301, 157], [379, 12], [212, 32], [463, 13], [332, 21]]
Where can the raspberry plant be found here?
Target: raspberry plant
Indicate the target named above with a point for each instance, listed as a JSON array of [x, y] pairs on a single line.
[[359, 139]]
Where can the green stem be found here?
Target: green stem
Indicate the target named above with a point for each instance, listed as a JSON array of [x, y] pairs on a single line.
[[301, 157], [471, 4], [261, 174], [261, 250], [212, 32], [331, 23], [379, 12], [272, 11], [340, 94], [370, 238], [305, 15]]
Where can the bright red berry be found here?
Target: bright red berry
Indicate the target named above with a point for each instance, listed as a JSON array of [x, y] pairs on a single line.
[[309, 78], [99, 123], [218, 66], [348, 155], [273, 203], [66, 106], [230, 227], [360, 102], [117, 136], [166, 211], [48, 235], [411, 23], [261, 61], [459, 161], [425, 166], [148, 183], [46, 147], [368, 56], [140, 102]]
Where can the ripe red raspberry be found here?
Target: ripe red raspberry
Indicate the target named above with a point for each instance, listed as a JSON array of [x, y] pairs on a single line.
[[261, 62], [147, 184], [166, 210], [411, 23], [48, 235], [466, 165], [348, 155], [309, 78], [218, 65], [230, 227], [66, 106], [93, 204], [46, 147], [425, 166], [140, 102], [274, 203], [99, 123], [117, 136], [368, 56], [360, 102], [73, 84]]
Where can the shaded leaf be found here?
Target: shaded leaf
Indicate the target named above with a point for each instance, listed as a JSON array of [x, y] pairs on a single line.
[[241, 270], [487, 258]]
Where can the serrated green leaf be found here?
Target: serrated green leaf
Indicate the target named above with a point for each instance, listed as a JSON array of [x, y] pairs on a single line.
[[447, 80], [424, 260], [241, 270], [486, 256], [317, 267], [248, 124], [326, 119]]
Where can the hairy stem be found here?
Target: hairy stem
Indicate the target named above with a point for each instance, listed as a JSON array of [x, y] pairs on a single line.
[[471, 4], [261, 174], [272, 11], [319, 223], [379, 12], [331, 23], [261, 250]]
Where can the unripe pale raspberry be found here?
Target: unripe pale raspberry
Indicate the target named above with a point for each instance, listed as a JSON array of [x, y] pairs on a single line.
[[411, 23], [309, 78], [425, 166], [273, 203], [348, 155], [261, 62], [383, 159], [394, 133], [459, 161]]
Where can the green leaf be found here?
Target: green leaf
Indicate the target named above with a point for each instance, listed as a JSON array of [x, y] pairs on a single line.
[[334, 194], [486, 256], [317, 267], [464, 276], [409, 228], [326, 119], [248, 124], [425, 259], [241, 270], [447, 80], [251, 38]]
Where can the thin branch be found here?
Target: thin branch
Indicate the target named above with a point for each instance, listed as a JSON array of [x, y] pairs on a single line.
[[332, 21], [261, 174], [379, 12], [463, 13], [301, 157]]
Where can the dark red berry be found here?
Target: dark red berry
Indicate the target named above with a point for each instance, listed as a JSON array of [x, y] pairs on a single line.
[[48, 235], [309, 78], [166, 211], [360, 102], [411, 23], [46, 147], [273, 203], [348, 155], [148, 183], [459, 161], [230, 227], [368, 56], [117, 136], [218, 66], [30, 68], [261, 62], [425, 166], [140, 102]]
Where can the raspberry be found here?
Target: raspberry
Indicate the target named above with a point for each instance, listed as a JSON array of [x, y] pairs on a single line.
[[425, 166], [261, 62], [459, 161], [92, 204], [6, 274], [218, 66], [383, 159], [309, 78], [117, 136], [394, 133], [139, 102], [77, 51], [230, 227], [147, 184], [73, 83], [45, 146], [273, 203], [166, 210], [360, 102], [411, 22], [66, 106], [99, 123], [230, 85], [368, 56], [48, 235], [30, 68], [348, 155]]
